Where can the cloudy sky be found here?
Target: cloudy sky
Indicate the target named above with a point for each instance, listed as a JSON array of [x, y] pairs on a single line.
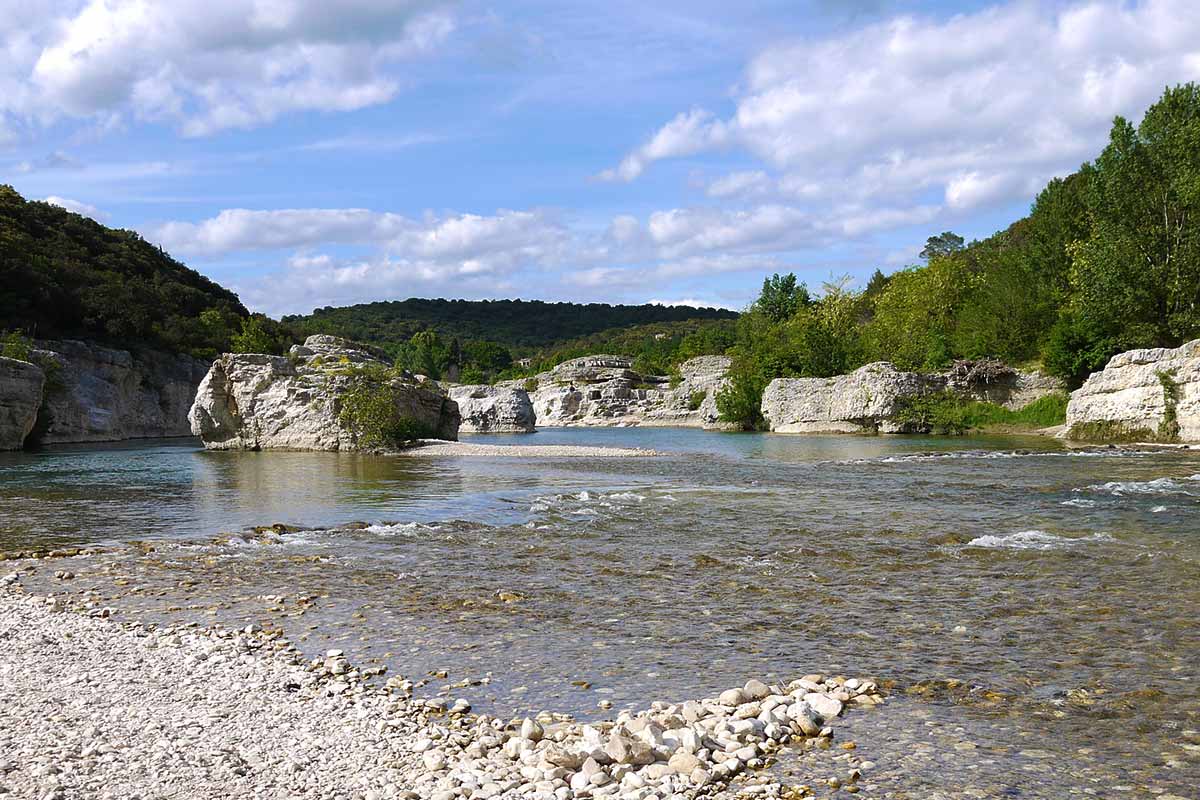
[[310, 153]]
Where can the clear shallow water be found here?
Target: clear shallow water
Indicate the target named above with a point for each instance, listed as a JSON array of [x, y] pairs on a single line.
[[1036, 607]]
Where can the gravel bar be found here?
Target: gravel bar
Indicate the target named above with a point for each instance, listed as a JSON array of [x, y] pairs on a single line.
[[91, 707]]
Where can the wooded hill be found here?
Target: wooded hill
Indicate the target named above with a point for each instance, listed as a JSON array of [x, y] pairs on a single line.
[[66, 275], [521, 325]]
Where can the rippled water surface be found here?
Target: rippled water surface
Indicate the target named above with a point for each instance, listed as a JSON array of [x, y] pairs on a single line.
[[1035, 607]]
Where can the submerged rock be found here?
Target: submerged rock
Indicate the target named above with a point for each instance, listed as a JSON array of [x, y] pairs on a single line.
[[1144, 395], [256, 402], [21, 385], [493, 409]]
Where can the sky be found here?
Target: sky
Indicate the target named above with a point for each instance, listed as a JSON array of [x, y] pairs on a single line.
[[307, 153]]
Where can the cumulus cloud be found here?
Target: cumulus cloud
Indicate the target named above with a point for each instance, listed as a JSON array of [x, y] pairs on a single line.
[[448, 254], [76, 206], [211, 65], [690, 132], [980, 108]]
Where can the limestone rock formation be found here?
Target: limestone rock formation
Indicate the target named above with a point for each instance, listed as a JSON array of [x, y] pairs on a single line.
[[693, 402], [493, 409], [993, 381], [871, 398], [101, 394], [867, 399], [21, 385], [1143, 395], [605, 390], [258, 402]]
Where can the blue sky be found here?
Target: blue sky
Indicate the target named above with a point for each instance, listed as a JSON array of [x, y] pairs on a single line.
[[307, 153]]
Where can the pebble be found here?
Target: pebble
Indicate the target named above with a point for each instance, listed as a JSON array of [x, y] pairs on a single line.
[[195, 703]]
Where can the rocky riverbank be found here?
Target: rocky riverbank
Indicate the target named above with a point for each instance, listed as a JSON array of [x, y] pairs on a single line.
[[73, 391], [100, 708]]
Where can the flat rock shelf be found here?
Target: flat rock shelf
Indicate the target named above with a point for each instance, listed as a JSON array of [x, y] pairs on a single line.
[[92, 707]]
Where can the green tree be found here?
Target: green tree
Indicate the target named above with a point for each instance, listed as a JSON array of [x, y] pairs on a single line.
[[781, 297], [254, 337], [1135, 279], [944, 244]]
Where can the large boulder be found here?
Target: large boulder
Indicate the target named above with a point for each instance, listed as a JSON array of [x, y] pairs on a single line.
[[102, 394], [866, 400], [493, 409], [21, 385], [260, 402], [1144, 395]]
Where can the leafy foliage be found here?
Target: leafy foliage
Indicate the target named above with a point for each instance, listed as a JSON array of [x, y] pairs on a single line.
[[948, 413], [369, 410], [14, 345], [1107, 260], [781, 297], [62, 274]]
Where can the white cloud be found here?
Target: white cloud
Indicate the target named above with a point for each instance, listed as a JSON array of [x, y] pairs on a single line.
[[980, 108], [690, 132], [76, 206], [211, 65]]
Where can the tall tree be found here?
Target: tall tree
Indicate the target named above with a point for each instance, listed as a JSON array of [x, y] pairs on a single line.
[[781, 297], [946, 243]]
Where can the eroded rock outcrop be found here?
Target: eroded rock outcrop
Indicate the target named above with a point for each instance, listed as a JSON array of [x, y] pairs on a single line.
[[992, 381], [872, 398], [21, 385], [259, 402], [868, 399], [101, 394], [91, 393], [693, 401], [593, 390], [1143, 395], [493, 409]]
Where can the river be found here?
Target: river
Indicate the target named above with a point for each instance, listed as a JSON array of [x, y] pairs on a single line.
[[1033, 609]]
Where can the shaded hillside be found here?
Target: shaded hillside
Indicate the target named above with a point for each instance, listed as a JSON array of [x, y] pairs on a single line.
[[66, 275], [522, 325]]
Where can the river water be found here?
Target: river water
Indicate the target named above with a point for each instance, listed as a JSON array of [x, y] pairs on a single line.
[[1034, 609]]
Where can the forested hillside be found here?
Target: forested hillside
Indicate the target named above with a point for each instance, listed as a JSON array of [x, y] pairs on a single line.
[[522, 325], [62, 274], [1107, 260]]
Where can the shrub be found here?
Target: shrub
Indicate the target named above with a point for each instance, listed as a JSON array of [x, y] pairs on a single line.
[[696, 399], [531, 385], [370, 413], [14, 345], [947, 412], [740, 400]]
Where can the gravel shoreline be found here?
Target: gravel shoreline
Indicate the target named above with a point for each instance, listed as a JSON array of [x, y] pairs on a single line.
[[94, 708]]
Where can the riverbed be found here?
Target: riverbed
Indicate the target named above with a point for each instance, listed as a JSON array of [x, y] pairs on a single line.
[[1031, 607]]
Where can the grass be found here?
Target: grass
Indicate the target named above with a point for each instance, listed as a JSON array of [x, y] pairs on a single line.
[[946, 412]]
